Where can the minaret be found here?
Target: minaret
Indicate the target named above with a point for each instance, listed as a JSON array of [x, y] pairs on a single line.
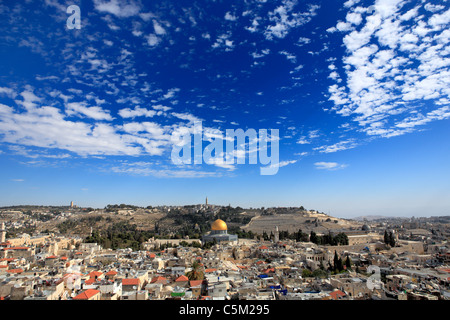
[[206, 201], [3, 233]]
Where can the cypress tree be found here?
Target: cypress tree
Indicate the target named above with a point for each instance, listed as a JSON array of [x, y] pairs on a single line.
[[348, 263], [335, 261]]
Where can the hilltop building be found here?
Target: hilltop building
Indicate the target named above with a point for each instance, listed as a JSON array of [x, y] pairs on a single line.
[[219, 233]]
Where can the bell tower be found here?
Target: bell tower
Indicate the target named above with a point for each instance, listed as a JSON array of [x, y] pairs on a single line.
[[3, 233]]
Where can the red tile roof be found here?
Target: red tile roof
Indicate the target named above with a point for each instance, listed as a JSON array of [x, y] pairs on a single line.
[[182, 279], [111, 273], [15, 270], [195, 283], [130, 282], [90, 281], [210, 270], [159, 279], [94, 274], [85, 295], [337, 294]]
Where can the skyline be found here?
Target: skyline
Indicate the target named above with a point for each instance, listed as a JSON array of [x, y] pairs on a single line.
[[359, 91]]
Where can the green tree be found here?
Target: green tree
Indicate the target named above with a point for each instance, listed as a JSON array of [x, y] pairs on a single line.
[[338, 264], [348, 263], [306, 273], [392, 240], [313, 237], [319, 273], [386, 237]]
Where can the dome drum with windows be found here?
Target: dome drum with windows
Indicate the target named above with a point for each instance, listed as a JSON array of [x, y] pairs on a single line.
[[219, 233]]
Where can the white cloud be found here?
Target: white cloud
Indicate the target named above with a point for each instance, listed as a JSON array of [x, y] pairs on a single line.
[[354, 18], [185, 116], [433, 7], [8, 92], [223, 41], [121, 9], [310, 136], [171, 93], [285, 17], [161, 108], [304, 40], [286, 163], [340, 146], [81, 108], [136, 112], [350, 3], [153, 40], [45, 127], [159, 30], [291, 57], [329, 165], [263, 53], [393, 63], [142, 168], [230, 17]]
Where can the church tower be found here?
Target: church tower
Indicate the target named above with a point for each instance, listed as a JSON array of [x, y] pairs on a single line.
[[206, 201], [277, 235], [3, 233]]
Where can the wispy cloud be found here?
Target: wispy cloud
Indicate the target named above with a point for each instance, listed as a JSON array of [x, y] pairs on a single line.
[[285, 17], [329, 165], [142, 168], [339, 146]]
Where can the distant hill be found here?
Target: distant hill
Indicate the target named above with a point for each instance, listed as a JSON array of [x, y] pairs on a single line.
[[375, 217]]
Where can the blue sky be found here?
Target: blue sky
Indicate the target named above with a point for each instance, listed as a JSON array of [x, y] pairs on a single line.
[[359, 91]]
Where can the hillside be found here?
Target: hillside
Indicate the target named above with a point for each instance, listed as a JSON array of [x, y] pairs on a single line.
[[176, 221]]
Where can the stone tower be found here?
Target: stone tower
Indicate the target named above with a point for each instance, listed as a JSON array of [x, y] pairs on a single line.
[[3, 233], [277, 235]]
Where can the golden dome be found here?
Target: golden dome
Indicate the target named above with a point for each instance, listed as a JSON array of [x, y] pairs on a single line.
[[219, 225]]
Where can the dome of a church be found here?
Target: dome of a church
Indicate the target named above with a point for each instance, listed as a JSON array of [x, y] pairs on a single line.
[[219, 225]]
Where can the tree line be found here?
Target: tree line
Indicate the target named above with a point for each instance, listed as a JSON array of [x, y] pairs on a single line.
[[341, 239], [299, 236]]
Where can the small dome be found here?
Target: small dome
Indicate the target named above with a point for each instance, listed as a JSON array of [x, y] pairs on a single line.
[[219, 225]]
